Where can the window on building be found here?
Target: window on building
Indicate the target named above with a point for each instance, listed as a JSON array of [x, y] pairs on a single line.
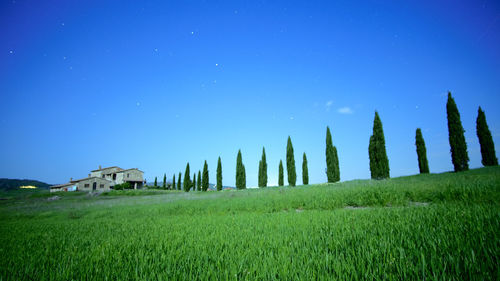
[[128, 175], [102, 176], [87, 185], [101, 186], [114, 176]]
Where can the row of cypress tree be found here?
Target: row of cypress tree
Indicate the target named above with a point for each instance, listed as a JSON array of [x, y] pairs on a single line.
[[379, 162]]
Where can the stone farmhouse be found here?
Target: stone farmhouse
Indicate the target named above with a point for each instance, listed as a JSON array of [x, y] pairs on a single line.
[[103, 179]]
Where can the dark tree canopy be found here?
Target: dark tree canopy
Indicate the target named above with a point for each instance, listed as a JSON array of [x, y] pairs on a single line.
[[164, 181], [173, 182], [263, 169], [379, 163], [219, 175], [423, 165], [179, 182], [187, 180], [204, 179], [290, 163], [305, 171], [156, 182], [280, 174], [458, 146], [193, 184], [240, 172], [488, 155], [332, 161]]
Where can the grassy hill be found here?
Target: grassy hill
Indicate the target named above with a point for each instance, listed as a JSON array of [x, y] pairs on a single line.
[[437, 226], [11, 184]]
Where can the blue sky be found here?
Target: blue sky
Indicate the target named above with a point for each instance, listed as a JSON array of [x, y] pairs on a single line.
[[155, 84]]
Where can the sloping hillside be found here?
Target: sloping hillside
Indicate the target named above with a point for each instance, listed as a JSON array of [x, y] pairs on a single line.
[[10, 184]]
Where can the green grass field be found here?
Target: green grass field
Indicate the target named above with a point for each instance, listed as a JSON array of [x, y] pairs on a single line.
[[427, 227]]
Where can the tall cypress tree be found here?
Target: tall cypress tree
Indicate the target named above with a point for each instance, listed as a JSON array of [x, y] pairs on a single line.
[[204, 178], [305, 171], [187, 180], [423, 165], [458, 146], [198, 186], [379, 163], [193, 185], [156, 182], [488, 154], [263, 169], [332, 161], [179, 182], [219, 175], [280, 174], [240, 172], [290, 163], [173, 182], [164, 181]]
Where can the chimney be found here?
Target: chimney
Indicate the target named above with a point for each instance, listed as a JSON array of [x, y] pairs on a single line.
[[70, 179], [89, 175], [99, 167]]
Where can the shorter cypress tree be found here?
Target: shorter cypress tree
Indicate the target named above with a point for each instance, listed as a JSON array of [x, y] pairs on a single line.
[[263, 169], [280, 174], [179, 182], [164, 181], [156, 182], [187, 180], [204, 179], [379, 163], [240, 172], [305, 170], [423, 165], [458, 145], [219, 175], [173, 182], [290, 163], [332, 160], [193, 185], [488, 154]]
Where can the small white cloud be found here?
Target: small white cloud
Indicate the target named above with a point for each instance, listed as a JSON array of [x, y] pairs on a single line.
[[291, 118], [345, 110], [329, 103]]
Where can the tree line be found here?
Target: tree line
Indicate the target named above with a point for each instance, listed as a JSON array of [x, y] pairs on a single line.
[[379, 162]]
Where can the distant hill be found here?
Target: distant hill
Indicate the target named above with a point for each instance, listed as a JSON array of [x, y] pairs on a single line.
[[9, 184]]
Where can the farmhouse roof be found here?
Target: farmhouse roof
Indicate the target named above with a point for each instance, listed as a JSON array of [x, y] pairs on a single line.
[[61, 185], [129, 170], [107, 168], [89, 179]]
